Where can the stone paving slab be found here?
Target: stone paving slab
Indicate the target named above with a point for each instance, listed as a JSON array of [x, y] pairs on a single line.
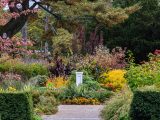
[[76, 112]]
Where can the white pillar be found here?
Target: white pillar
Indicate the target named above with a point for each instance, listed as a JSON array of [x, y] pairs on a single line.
[[79, 78]]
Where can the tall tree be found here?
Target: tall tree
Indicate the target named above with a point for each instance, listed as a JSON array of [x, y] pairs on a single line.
[[141, 32]]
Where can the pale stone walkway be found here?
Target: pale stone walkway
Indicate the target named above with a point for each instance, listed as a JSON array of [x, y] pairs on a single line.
[[76, 112]]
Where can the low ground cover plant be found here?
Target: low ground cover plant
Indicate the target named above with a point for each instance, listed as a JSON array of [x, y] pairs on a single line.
[[81, 101]]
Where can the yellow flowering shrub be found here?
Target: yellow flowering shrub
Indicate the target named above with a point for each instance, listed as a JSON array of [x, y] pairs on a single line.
[[113, 79], [11, 89], [82, 101], [56, 82], [1, 90]]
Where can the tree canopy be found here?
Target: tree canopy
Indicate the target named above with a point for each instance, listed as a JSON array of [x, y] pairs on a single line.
[[66, 10], [141, 32]]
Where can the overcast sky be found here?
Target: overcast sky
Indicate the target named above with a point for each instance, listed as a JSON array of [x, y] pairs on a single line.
[[30, 4]]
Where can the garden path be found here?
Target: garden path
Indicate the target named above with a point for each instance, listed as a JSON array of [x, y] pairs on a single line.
[[76, 112]]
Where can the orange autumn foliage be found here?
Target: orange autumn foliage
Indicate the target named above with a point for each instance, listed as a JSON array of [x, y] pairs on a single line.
[[82, 101], [57, 82]]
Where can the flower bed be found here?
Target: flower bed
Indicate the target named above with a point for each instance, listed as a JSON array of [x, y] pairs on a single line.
[[81, 101]]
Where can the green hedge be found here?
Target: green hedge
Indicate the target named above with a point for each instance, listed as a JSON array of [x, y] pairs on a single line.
[[145, 105], [16, 106]]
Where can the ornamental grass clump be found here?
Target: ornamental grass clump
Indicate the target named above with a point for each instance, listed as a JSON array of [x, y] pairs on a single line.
[[118, 107]]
